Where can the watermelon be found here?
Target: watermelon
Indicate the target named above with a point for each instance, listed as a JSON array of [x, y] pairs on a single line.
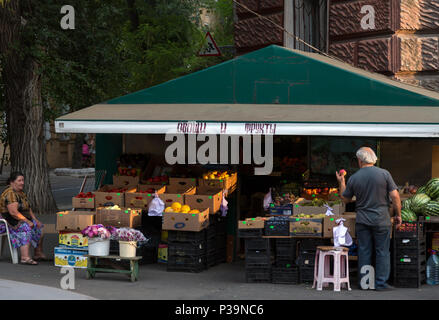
[[418, 202], [432, 188], [431, 209], [406, 204], [408, 215], [421, 190]]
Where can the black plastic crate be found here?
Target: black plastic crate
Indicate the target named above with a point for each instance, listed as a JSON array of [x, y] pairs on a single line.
[[194, 248], [306, 258], [410, 260], [277, 226], [410, 230], [409, 282], [409, 272], [285, 210], [409, 251], [285, 275], [257, 258], [312, 244], [185, 236], [285, 253], [186, 263], [257, 244], [306, 274], [401, 243], [289, 242], [285, 263], [258, 275], [250, 233]]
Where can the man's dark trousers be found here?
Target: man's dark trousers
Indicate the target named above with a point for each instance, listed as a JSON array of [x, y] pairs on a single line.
[[370, 237]]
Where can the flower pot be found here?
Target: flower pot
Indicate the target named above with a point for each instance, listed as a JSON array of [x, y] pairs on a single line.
[[98, 247], [127, 249]]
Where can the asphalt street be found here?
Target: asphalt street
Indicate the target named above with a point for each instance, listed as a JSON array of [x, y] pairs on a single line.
[[222, 282]]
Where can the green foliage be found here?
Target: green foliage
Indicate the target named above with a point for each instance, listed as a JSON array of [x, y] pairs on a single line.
[[108, 55]]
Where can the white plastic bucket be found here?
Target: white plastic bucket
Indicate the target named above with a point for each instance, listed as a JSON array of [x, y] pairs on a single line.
[[98, 247], [127, 249]]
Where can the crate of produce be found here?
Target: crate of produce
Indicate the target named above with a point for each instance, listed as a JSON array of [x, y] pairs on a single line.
[[195, 248], [186, 263], [250, 233], [257, 258], [277, 226], [306, 274], [257, 244], [285, 275], [283, 210], [306, 227], [410, 230], [306, 258], [258, 275]]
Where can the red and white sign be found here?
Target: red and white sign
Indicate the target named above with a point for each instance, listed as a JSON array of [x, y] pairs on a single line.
[[210, 49]]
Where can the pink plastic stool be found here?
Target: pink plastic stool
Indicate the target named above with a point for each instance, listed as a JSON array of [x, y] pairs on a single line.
[[322, 276]]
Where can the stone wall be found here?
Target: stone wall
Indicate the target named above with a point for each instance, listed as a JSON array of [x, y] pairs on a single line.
[[253, 32], [399, 38]]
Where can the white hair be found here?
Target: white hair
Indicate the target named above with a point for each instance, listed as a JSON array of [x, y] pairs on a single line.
[[366, 155]]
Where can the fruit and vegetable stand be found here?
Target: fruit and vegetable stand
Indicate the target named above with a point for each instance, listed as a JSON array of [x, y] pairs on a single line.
[[253, 96]]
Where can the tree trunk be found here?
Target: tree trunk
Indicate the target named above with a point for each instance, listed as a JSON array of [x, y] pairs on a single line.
[[24, 109]]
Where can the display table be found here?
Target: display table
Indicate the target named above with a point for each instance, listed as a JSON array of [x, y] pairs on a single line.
[[93, 267]]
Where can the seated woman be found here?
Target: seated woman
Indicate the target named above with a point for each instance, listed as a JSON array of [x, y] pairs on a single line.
[[25, 230]]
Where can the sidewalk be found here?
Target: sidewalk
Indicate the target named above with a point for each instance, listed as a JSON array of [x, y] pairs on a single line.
[[14, 290]]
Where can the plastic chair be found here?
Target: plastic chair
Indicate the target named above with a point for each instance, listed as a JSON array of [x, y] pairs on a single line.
[[322, 276], [14, 251]]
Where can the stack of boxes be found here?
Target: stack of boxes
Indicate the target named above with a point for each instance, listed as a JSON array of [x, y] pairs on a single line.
[[196, 241], [258, 260], [306, 257], [409, 255], [285, 270], [73, 246]]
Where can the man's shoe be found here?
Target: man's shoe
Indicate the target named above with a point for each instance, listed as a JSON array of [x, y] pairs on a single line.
[[385, 288]]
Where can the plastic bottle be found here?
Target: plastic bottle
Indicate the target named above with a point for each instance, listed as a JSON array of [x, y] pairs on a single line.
[[433, 269]]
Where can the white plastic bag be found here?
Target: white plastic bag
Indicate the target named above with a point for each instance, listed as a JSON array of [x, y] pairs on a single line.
[[224, 206], [267, 200], [341, 234], [156, 207]]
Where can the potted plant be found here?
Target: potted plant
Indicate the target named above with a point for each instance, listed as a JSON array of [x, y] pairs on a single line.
[[128, 239], [98, 239]]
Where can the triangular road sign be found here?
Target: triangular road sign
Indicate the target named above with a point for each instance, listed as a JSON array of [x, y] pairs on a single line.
[[210, 48]]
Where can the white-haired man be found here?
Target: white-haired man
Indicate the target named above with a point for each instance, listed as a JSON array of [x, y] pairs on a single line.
[[373, 188]]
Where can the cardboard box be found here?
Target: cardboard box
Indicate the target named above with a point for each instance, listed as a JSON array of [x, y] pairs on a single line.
[[175, 194], [83, 203], [298, 208], [124, 218], [228, 183], [66, 257], [186, 221], [104, 198], [329, 223], [205, 198], [182, 182], [252, 223], [142, 200], [304, 227], [74, 220], [125, 181], [72, 240]]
